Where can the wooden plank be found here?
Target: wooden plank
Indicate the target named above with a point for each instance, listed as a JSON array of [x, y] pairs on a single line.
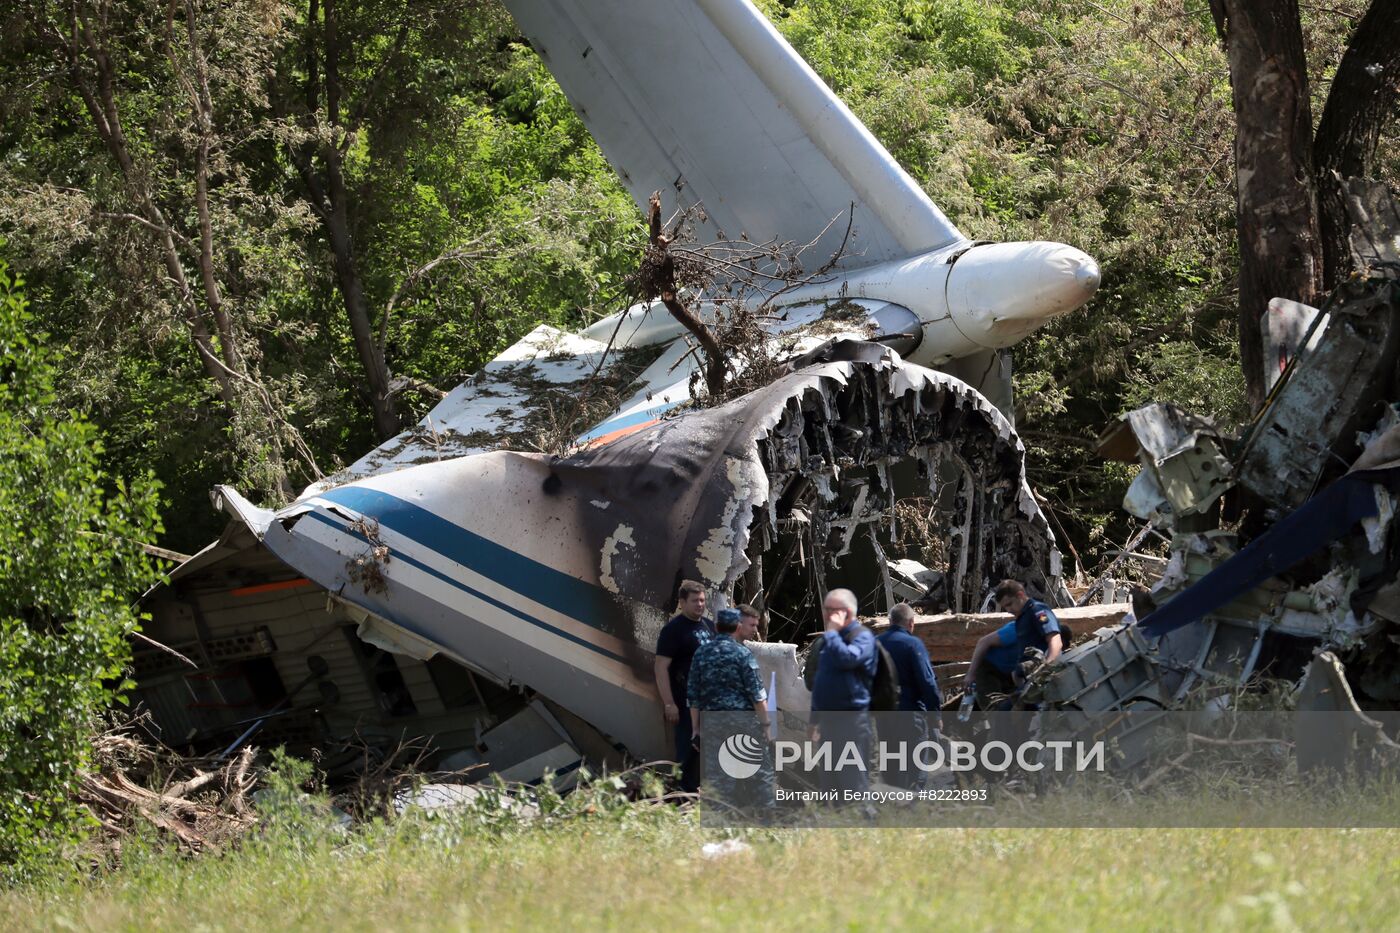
[[951, 637]]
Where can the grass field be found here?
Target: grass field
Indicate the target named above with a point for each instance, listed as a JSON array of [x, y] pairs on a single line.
[[642, 867]]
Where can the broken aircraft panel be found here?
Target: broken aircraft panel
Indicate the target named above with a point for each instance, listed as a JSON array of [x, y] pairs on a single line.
[[556, 573], [1185, 466], [1305, 433], [1306, 590], [533, 388]]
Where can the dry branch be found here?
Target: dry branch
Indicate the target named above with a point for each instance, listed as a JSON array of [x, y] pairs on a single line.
[[117, 794]]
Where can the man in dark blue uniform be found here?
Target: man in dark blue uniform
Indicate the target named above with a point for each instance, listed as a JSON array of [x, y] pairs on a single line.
[[918, 695], [1036, 627], [845, 674], [675, 647]]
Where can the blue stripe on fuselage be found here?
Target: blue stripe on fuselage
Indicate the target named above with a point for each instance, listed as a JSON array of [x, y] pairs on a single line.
[[459, 585], [627, 421], [565, 594]]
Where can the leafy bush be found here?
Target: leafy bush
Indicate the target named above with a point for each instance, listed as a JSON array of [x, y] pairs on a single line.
[[70, 565]]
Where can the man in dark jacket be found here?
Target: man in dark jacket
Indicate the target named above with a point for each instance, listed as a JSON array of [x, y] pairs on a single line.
[[920, 700], [680, 638], [841, 691]]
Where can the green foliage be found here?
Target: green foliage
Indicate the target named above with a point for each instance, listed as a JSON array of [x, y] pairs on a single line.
[[70, 566], [478, 204], [1206, 383], [79, 221], [1103, 125], [535, 227], [292, 820], [479, 208]]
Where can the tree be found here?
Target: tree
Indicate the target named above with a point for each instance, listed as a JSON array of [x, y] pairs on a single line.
[[367, 79], [71, 564], [475, 202], [1362, 100], [1292, 229], [157, 99]]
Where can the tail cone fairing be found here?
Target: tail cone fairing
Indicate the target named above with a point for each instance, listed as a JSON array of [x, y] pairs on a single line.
[[558, 573]]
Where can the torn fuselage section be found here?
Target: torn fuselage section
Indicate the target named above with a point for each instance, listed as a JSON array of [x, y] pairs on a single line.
[[823, 478], [267, 655]]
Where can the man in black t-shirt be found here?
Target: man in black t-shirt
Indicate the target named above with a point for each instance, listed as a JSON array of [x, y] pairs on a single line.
[[675, 646]]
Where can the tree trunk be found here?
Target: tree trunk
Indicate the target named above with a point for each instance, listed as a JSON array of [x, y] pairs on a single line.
[[202, 104], [336, 217], [664, 286], [1362, 98], [1276, 207], [386, 419], [101, 105]]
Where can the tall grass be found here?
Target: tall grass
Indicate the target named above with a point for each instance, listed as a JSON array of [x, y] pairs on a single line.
[[596, 864]]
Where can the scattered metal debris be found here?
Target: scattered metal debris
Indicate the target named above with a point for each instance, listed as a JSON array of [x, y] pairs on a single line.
[[494, 578], [537, 656], [1283, 562], [1296, 578]]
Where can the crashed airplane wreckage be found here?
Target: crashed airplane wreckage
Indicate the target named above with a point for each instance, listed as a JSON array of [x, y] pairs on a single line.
[[426, 591], [1284, 559], [453, 584]]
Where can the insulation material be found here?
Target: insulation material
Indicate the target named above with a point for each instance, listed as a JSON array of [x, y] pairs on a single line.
[[691, 488]]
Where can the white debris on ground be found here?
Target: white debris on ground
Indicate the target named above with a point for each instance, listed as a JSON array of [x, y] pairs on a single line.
[[718, 850]]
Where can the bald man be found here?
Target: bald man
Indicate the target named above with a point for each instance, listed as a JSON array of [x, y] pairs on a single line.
[[841, 689]]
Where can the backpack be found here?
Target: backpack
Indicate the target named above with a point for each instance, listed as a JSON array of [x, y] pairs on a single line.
[[884, 689], [884, 692]]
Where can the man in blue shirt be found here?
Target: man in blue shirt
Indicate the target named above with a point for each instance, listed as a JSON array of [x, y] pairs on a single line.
[[1034, 626], [680, 638], [845, 674], [993, 677], [918, 694]]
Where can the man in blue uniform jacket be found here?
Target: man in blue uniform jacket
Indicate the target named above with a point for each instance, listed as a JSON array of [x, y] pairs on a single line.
[[918, 695], [845, 674], [1036, 627], [993, 678]]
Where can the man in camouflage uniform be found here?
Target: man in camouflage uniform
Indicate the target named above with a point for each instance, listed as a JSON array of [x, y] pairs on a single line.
[[725, 689]]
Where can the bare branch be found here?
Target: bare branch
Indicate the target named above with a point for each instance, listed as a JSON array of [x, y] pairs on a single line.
[[143, 222], [1166, 51], [460, 254]]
